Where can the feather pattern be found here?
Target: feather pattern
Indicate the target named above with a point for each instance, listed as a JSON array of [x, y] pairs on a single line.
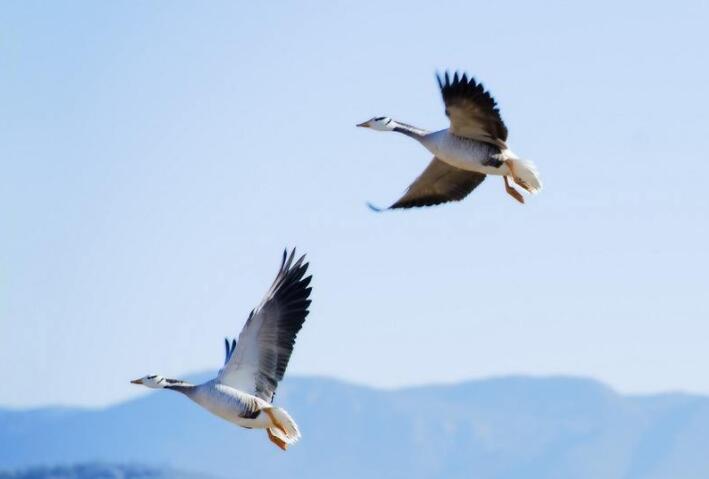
[[224, 401], [257, 362], [439, 183], [472, 111]]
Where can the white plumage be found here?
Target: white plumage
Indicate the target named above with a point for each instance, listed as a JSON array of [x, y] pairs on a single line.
[[243, 391], [473, 147]]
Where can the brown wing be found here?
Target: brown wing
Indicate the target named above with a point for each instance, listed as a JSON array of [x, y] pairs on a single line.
[[472, 111], [439, 183]]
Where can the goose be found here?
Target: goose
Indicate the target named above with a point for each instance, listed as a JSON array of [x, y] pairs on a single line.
[[474, 146], [243, 391]]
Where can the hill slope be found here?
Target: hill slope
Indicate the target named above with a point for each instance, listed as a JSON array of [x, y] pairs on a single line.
[[100, 471], [512, 427]]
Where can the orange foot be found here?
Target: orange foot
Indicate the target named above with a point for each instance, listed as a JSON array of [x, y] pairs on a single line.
[[277, 440], [512, 192]]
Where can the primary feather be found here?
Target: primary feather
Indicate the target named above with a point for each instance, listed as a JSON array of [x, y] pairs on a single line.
[[473, 147], [266, 342]]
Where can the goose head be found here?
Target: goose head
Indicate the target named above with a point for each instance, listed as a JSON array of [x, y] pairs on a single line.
[[153, 381], [380, 123]]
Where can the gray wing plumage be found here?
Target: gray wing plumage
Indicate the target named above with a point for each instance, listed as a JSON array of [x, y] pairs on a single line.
[[472, 111], [439, 183], [258, 361]]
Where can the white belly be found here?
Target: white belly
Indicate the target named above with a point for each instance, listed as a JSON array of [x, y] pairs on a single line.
[[227, 403], [463, 153]]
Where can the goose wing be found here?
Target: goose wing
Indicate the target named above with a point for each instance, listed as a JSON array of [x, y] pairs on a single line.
[[439, 183], [257, 361], [472, 111]]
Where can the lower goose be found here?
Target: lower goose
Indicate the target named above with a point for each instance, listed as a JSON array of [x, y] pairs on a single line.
[[243, 391]]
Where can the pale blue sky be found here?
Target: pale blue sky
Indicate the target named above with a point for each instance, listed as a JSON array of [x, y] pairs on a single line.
[[156, 157]]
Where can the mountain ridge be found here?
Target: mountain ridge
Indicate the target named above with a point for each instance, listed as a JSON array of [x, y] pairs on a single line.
[[501, 427], [204, 376]]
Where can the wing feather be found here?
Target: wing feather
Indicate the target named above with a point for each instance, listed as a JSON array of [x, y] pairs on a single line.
[[472, 111], [265, 344], [439, 183]]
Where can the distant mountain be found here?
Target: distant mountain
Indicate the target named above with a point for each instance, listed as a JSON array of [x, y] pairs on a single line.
[[100, 471], [512, 427]]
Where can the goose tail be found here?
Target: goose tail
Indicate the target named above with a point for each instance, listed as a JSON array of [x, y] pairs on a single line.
[[283, 428], [525, 174]]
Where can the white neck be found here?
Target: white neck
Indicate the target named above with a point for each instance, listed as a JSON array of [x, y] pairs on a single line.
[[408, 130]]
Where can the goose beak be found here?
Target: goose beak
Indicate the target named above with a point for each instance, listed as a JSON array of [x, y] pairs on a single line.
[[364, 125], [137, 381]]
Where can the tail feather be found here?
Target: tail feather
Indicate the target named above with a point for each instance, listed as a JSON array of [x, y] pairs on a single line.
[[526, 175], [290, 433]]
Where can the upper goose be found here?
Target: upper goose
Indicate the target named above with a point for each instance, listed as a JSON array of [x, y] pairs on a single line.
[[244, 388], [474, 146]]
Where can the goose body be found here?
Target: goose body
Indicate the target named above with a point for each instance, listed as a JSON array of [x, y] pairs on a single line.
[[228, 403], [466, 154], [243, 391], [473, 147]]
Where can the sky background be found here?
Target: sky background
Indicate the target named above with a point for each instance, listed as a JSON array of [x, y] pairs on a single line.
[[156, 158]]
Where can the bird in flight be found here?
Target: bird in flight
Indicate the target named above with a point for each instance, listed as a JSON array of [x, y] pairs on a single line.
[[243, 391], [473, 147]]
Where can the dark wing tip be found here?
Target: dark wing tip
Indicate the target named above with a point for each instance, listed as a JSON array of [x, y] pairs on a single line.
[[293, 264], [375, 208], [291, 258], [467, 89], [230, 347], [420, 202]]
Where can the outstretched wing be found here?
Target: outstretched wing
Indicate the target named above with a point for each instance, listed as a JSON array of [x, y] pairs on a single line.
[[261, 355], [439, 183], [472, 111]]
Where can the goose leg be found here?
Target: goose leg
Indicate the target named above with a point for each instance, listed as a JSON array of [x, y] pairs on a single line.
[[276, 440], [512, 192]]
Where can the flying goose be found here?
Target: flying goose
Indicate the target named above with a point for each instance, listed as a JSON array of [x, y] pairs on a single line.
[[473, 147], [242, 392]]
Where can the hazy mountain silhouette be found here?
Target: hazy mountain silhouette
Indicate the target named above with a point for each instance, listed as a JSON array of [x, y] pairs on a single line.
[[511, 427], [101, 471]]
